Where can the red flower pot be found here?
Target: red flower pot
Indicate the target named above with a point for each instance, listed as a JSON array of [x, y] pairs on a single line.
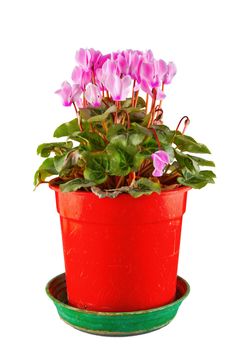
[[121, 254]]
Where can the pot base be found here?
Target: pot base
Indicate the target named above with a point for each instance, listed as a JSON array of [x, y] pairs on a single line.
[[114, 323]]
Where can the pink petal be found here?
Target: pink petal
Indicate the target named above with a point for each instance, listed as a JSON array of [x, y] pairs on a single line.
[[122, 65], [149, 55], [160, 160], [170, 74], [146, 88], [93, 95], [164, 156], [162, 69], [146, 71], [83, 57], [160, 94], [76, 92], [126, 83], [77, 75], [65, 93]]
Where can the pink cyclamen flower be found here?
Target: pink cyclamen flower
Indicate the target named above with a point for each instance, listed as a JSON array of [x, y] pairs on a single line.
[[171, 72], [160, 160], [81, 77], [70, 94], [119, 88], [93, 95], [101, 74], [83, 57]]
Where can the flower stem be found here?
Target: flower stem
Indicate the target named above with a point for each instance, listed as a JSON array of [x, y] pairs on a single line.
[[104, 102], [78, 117], [152, 111], [84, 102], [156, 137], [76, 110], [120, 181], [132, 177], [147, 100], [186, 123], [136, 99], [134, 82], [104, 125], [128, 119], [115, 115]]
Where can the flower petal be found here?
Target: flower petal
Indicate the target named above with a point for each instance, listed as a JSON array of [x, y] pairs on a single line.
[[160, 160]]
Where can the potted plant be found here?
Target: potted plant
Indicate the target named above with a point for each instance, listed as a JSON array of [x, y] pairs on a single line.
[[121, 182]]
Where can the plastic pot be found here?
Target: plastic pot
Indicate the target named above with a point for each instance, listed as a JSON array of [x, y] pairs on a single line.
[[121, 254]]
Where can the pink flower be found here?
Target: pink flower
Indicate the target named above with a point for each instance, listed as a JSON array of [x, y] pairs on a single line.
[[122, 65], [119, 88], [149, 76], [70, 94], [136, 61], [161, 68], [83, 57], [81, 77], [90, 59], [93, 95], [160, 160], [101, 74], [148, 56], [171, 72], [109, 67]]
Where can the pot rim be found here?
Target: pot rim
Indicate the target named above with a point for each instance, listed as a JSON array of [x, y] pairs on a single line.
[[163, 193]]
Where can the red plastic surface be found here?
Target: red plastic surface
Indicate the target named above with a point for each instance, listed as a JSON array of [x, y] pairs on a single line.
[[121, 254]]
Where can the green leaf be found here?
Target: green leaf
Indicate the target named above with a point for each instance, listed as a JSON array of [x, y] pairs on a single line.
[[97, 166], [187, 143], [186, 163], [102, 117], [119, 140], [91, 140], [150, 145], [139, 159], [85, 113], [76, 184], [136, 139], [144, 186], [198, 180], [201, 161], [141, 103], [165, 135], [141, 129], [192, 182], [170, 150], [46, 169], [128, 102], [138, 117], [67, 129], [208, 174], [120, 161], [114, 130], [58, 148], [132, 109], [67, 160]]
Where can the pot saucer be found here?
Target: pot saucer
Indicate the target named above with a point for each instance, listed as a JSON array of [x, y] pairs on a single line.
[[114, 323]]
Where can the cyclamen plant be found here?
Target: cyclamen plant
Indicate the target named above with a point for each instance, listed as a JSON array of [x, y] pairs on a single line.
[[117, 141]]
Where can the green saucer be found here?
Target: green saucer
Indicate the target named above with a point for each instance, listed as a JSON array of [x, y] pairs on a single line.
[[114, 323]]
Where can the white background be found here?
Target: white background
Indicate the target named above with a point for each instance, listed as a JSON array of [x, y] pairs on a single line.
[[38, 43]]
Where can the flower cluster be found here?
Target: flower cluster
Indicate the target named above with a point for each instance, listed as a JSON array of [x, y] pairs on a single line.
[[115, 75], [117, 141]]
